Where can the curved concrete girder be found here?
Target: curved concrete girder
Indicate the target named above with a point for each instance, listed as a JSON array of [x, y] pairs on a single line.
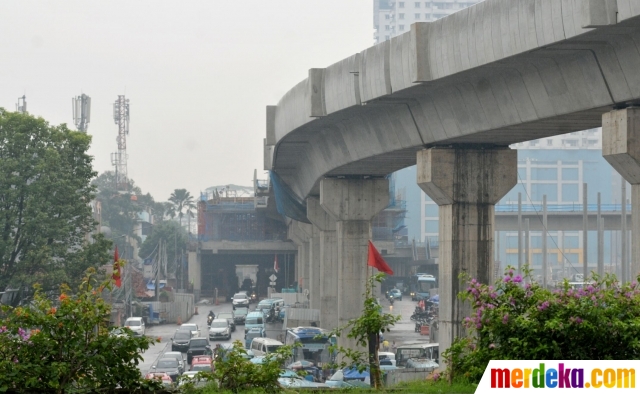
[[499, 72]]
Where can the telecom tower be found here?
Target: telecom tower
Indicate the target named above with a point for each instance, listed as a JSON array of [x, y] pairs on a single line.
[[119, 159], [81, 106], [21, 106]]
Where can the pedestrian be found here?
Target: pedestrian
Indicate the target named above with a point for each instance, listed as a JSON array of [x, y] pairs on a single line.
[[393, 347], [385, 346]]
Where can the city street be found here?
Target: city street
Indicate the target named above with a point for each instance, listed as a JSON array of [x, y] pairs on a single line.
[[402, 332]]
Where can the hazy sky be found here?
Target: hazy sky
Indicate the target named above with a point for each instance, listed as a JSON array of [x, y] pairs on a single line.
[[198, 74]]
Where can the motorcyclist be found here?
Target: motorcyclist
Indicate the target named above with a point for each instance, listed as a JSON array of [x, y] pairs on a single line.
[[213, 315]]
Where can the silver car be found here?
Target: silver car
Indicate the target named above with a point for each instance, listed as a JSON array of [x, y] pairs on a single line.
[[177, 356], [220, 329], [169, 366]]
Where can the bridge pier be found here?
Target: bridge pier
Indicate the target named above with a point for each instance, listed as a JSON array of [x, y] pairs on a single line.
[[326, 227], [621, 148], [300, 233], [466, 183], [314, 268], [352, 203]]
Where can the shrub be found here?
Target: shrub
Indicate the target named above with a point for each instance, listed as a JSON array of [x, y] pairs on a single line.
[[517, 321], [65, 345]]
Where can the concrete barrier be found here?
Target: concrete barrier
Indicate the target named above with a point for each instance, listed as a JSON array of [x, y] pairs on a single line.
[[405, 375]]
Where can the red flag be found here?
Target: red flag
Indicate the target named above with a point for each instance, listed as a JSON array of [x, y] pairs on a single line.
[[276, 267], [375, 260], [116, 269]]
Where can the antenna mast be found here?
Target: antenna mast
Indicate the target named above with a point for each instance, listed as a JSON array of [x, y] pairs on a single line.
[[21, 106], [119, 159], [81, 106]]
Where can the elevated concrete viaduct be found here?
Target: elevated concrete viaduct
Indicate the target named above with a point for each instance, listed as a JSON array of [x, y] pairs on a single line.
[[452, 95]]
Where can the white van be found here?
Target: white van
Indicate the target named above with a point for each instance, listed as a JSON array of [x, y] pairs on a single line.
[[262, 346], [387, 358]]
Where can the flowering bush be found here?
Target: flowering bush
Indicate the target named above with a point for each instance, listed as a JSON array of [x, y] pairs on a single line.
[[64, 345], [517, 321]]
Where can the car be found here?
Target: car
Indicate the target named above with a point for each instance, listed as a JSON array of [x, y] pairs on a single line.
[[265, 305], [166, 379], [168, 365], [423, 363], [202, 363], [180, 341], [198, 346], [195, 331], [240, 299], [395, 294], [229, 316], [220, 329], [240, 314], [177, 356], [255, 319], [119, 332], [224, 348], [193, 377], [135, 324]]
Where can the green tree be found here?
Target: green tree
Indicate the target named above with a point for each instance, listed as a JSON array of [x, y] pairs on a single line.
[[183, 201], [366, 331], [65, 345], [175, 238], [45, 191]]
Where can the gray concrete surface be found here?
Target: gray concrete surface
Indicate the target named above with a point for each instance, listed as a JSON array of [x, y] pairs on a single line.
[[352, 203], [466, 184], [621, 148]]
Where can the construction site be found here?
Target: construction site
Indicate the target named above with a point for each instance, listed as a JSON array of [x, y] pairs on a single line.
[[242, 243]]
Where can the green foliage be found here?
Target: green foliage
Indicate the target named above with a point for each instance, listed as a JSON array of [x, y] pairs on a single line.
[[173, 235], [65, 345], [366, 331], [45, 191], [182, 200], [234, 372], [517, 321]]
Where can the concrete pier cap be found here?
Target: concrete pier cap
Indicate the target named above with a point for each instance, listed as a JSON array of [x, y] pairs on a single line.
[[354, 199]]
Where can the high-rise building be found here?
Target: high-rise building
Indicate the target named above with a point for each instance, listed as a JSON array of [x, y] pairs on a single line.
[[391, 17]]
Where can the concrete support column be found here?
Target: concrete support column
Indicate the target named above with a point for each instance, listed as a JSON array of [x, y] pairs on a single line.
[[195, 271], [352, 203], [621, 148], [300, 233], [328, 263], [466, 184], [314, 268]]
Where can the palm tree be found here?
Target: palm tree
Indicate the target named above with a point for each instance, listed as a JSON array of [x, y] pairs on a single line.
[[182, 201]]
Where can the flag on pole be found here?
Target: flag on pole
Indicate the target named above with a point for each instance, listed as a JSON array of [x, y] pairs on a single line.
[[375, 260], [116, 269], [276, 267]]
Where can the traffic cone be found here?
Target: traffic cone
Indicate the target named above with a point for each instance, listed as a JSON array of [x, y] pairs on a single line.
[[217, 303]]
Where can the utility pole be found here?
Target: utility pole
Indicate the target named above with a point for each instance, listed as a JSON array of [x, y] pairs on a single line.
[[585, 233], [520, 233]]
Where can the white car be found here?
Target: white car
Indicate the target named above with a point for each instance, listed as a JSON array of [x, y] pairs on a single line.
[[195, 331], [135, 324], [220, 329]]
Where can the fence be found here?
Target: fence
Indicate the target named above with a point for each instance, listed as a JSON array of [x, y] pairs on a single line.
[[182, 307]]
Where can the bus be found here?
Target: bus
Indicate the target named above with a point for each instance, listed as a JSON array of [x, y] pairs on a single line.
[[421, 284], [312, 348]]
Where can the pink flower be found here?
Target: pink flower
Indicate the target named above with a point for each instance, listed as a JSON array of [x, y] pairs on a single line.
[[492, 346], [505, 318], [506, 279]]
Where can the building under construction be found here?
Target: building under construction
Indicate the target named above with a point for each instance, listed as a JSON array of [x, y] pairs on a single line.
[[240, 237]]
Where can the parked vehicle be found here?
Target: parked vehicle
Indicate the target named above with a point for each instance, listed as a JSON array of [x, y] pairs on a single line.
[[423, 363], [180, 341], [387, 358], [198, 346], [407, 351], [136, 324], [254, 319], [230, 317], [168, 365], [263, 346], [220, 329]]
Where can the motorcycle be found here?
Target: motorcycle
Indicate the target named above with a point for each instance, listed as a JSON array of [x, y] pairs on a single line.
[[209, 320], [391, 300]]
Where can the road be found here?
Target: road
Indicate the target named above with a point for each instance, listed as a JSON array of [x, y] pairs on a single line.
[[402, 332]]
